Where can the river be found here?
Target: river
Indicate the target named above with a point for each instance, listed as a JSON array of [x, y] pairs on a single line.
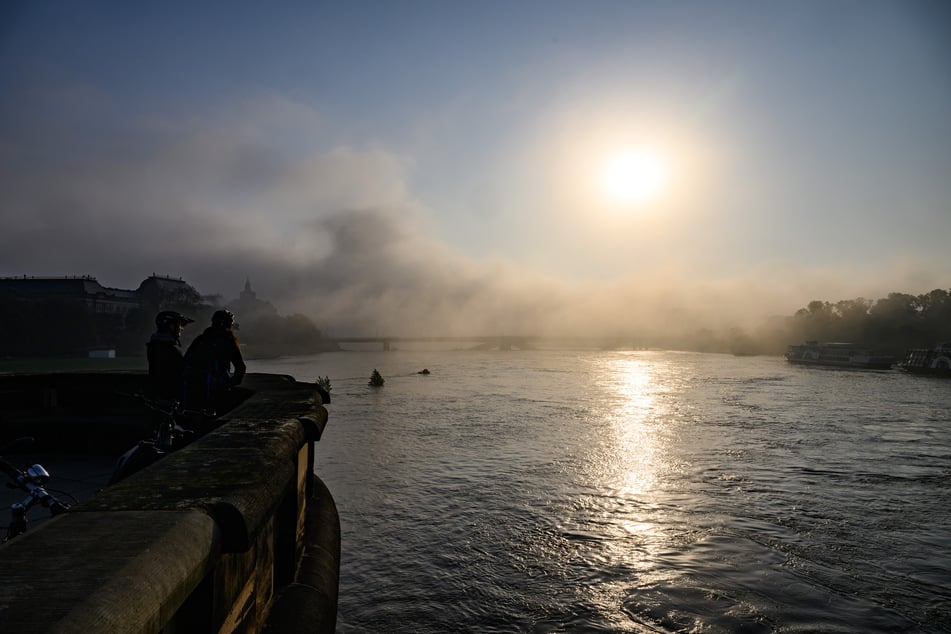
[[634, 491]]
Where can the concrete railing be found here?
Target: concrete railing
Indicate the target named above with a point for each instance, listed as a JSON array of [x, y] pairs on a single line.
[[232, 533]]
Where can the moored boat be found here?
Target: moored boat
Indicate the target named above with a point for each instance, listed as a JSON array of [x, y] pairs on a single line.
[[930, 361], [841, 355]]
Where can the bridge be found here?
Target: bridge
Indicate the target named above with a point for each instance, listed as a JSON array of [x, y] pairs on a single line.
[[504, 342]]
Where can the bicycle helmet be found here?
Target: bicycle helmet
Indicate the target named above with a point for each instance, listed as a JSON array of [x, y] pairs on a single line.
[[171, 318], [223, 319]]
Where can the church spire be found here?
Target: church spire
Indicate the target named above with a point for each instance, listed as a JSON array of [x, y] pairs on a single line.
[[247, 294]]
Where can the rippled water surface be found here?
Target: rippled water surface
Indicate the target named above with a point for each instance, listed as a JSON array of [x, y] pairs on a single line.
[[553, 491]]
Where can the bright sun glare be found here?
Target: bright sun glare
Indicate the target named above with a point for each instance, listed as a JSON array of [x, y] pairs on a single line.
[[633, 178]]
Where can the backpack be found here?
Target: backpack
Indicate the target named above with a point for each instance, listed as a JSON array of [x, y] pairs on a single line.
[[206, 369]]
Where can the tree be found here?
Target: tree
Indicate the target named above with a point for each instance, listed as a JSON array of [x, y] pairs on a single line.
[[814, 322], [936, 315], [271, 333], [896, 319], [852, 319]]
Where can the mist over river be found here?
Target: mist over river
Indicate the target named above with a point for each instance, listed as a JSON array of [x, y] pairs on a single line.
[[638, 491]]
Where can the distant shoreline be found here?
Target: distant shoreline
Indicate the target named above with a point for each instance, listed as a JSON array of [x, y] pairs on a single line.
[[72, 364]]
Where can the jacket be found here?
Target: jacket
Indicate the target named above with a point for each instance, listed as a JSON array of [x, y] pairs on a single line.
[[166, 365]]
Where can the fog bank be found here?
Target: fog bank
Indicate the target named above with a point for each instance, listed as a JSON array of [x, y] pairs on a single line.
[[260, 190]]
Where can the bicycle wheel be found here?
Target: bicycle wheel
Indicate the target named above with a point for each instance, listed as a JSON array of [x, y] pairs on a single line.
[[133, 460]]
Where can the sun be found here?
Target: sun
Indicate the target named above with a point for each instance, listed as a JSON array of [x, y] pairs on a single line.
[[633, 178]]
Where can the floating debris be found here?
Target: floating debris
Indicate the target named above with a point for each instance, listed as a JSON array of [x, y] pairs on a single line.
[[376, 379]]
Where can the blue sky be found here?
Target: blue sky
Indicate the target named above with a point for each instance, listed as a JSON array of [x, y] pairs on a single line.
[[440, 163]]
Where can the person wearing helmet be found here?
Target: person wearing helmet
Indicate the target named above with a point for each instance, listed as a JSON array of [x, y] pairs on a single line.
[[163, 350], [209, 362]]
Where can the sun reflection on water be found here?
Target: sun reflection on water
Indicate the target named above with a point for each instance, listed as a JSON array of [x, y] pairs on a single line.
[[631, 417], [624, 515]]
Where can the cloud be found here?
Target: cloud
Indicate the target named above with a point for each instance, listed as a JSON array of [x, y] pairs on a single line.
[[263, 190], [195, 196]]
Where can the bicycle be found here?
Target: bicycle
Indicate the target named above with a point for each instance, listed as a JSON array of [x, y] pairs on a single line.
[[32, 481], [173, 432]]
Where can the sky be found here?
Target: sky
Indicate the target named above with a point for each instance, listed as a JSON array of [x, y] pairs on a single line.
[[453, 168]]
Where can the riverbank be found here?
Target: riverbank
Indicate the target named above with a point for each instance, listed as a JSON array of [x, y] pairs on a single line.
[[251, 352], [72, 364]]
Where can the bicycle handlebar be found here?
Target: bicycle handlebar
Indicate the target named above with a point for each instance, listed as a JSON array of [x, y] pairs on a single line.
[[168, 407], [32, 484]]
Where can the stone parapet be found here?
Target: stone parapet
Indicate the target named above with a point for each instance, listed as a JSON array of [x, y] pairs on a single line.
[[220, 536]]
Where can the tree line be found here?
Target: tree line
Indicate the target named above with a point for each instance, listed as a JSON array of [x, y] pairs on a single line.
[[892, 324]]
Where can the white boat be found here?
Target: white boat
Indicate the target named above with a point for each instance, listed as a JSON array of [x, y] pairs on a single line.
[[931, 361], [842, 355]]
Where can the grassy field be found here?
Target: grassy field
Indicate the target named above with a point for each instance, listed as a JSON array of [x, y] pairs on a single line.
[[30, 366]]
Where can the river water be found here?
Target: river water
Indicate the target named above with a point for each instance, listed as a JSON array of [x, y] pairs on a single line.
[[638, 491]]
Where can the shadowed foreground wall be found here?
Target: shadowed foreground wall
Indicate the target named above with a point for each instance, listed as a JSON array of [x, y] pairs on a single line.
[[233, 533]]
